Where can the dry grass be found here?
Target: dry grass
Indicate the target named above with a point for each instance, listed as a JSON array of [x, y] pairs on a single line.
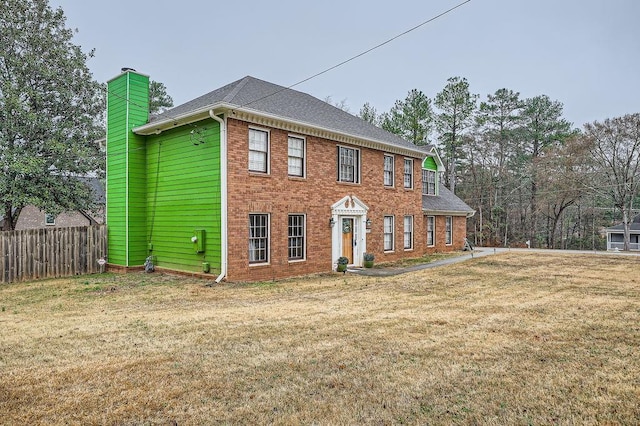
[[507, 339]]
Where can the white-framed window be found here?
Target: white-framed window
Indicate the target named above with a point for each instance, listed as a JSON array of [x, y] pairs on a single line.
[[388, 233], [428, 182], [296, 235], [258, 151], [388, 170], [408, 232], [431, 230], [348, 165], [49, 219], [408, 173], [296, 156], [258, 238], [448, 233]]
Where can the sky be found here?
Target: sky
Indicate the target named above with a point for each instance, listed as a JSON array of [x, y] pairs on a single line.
[[583, 53]]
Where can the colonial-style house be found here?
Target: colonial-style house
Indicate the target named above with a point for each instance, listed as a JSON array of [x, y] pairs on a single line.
[[255, 181]]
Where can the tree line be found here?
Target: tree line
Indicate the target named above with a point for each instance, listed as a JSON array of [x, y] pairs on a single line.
[[532, 177]]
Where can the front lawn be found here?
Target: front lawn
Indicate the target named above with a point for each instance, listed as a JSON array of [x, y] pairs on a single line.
[[514, 338]]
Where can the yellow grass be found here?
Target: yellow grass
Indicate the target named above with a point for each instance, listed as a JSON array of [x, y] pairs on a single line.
[[506, 339]]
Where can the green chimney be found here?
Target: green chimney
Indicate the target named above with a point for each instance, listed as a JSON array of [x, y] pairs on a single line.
[[127, 108]]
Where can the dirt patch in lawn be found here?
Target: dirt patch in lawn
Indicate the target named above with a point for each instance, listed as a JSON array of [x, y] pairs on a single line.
[[516, 338]]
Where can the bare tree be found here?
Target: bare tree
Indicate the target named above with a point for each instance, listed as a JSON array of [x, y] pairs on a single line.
[[615, 144]]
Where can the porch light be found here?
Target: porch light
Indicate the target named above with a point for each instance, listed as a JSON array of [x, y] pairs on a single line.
[[332, 221], [368, 222]]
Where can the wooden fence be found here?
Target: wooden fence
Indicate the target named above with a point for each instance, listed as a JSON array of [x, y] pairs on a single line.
[[51, 252]]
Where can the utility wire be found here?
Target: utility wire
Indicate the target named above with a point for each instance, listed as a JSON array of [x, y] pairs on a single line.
[[360, 54]]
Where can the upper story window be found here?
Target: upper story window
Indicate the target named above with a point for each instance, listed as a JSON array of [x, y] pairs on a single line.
[[428, 182], [258, 151], [408, 173], [348, 165], [296, 156], [388, 170]]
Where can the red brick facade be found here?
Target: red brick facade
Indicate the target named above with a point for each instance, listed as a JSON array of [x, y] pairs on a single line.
[[279, 195]]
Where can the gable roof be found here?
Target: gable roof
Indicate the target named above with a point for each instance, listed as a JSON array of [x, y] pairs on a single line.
[[259, 97], [634, 225], [446, 202]]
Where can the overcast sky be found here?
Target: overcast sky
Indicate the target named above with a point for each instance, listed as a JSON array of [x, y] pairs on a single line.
[[583, 53]]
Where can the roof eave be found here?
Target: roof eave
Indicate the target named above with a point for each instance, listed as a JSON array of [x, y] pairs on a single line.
[[248, 114], [466, 213]]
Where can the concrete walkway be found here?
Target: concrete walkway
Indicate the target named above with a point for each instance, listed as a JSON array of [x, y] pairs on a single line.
[[477, 252]]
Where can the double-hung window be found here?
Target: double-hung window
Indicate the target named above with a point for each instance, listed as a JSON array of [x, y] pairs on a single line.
[[49, 219], [431, 230], [348, 165], [388, 170], [428, 182], [408, 173], [388, 233], [448, 234], [408, 232], [258, 151], [258, 238], [296, 237], [296, 156]]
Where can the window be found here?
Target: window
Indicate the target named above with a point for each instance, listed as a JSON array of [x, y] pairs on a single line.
[[428, 182], [258, 238], [49, 219], [408, 232], [408, 173], [388, 170], [258, 151], [296, 236], [431, 228], [296, 156], [388, 233], [448, 235], [348, 165]]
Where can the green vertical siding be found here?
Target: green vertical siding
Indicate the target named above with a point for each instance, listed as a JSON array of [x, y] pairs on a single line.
[[127, 107], [183, 194]]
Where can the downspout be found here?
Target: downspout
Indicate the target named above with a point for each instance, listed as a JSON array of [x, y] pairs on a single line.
[[223, 193]]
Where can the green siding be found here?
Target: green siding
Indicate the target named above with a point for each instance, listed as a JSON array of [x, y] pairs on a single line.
[[127, 107], [183, 194], [429, 163]]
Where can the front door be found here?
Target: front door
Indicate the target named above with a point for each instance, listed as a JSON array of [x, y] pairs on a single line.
[[347, 238]]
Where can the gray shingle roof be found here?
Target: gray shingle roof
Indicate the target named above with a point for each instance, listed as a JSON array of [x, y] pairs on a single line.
[[445, 201], [633, 226], [250, 93]]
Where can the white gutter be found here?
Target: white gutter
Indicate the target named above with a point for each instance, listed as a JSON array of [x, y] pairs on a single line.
[[156, 127], [223, 193]]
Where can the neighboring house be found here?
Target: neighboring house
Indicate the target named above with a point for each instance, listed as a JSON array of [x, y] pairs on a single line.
[[32, 217], [254, 181], [615, 236]]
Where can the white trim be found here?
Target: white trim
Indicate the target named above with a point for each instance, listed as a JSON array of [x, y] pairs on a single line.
[[349, 206], [393, 170], [357, 169], [412, 173], [223, 195], [304, 155], [278, 122], [268, 159]]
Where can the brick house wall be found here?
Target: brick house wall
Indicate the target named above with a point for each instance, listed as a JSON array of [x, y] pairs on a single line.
[[32, 217], [279, 195]]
